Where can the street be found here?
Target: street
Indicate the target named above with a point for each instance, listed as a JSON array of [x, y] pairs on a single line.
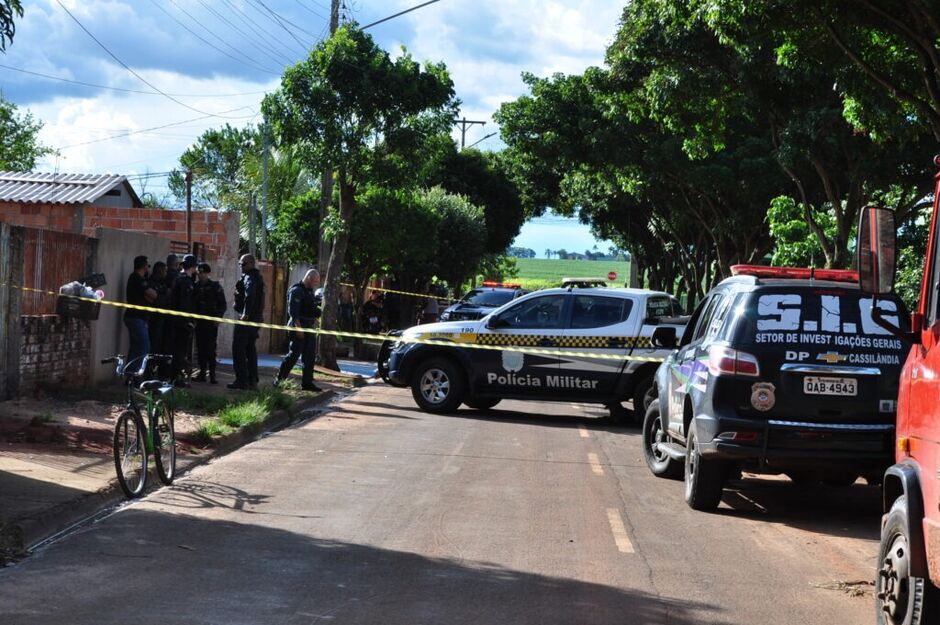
[[374, 512]]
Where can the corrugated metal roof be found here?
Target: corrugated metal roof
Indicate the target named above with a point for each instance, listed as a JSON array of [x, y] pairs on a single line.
[[32, 187]]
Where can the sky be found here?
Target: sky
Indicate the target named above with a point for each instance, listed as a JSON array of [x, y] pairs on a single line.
[[215, 60]]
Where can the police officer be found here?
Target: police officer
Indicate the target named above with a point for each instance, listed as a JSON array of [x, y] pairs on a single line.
[[249, 304], [182, 300], [303, 309], [210, 301], [157, 321]]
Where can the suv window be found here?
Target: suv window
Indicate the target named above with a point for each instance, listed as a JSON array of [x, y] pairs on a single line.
[[708, 312], [594, 311], [541, 313], [720, 311], [658, 307], [489, 298]]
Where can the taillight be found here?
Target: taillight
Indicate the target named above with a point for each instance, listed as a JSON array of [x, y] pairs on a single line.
[[727, 361]]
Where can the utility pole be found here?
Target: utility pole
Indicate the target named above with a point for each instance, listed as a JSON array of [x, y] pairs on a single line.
[[189, 210], [251, 224], [464, 124], [326, 178], [264, 198]]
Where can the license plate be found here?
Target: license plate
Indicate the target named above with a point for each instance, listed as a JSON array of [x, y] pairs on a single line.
[[813, 385]]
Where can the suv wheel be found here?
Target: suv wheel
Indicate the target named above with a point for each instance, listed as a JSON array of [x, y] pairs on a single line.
[[438, 386], [704, 479], [659, 462], [899, 598]]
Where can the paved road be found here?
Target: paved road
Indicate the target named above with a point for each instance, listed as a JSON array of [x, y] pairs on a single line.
[[529, 513]]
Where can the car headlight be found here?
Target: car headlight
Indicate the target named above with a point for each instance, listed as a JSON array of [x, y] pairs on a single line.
[[445, 316]]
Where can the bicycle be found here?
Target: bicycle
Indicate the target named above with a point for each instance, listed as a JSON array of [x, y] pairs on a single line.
[[133, 439]]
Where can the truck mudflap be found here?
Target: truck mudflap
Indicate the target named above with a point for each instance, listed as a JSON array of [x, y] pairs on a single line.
[[903, 479], [384, 352]]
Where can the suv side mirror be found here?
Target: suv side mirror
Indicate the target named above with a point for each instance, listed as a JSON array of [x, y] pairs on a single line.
[[664, 336], [876, 251]]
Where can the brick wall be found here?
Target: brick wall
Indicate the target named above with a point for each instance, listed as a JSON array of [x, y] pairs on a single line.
[[209, 227], [55, 353]]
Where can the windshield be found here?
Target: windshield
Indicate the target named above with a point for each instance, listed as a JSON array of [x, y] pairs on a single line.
[[488, 298]]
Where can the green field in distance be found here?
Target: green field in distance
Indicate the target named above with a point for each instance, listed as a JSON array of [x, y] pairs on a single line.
[[540, 273]]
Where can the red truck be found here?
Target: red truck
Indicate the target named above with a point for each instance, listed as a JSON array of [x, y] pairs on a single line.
[[908, 568]]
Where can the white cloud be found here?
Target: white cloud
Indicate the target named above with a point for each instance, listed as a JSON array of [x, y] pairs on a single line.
[[486, 44]]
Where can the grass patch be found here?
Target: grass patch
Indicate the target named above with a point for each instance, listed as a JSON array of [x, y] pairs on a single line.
[[232, 413], [543, 273], [209, 404]]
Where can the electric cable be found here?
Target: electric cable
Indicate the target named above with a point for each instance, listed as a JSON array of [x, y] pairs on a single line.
[[209, 43], [258, 28], [261, 46], [139, 77], [140, 91]]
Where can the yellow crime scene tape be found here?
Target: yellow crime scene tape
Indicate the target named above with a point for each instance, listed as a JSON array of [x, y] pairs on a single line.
[[409, 293], [464, 340]]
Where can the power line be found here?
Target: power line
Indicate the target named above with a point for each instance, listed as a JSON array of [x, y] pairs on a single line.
[[257, 28], [136, 132], [88, 84], [391, 17], [280, 22], [481, 140], [209, 43], [128, 68], [284, 58], [311, 10]]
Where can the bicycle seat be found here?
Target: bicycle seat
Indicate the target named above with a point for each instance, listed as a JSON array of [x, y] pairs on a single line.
[[151, 385]]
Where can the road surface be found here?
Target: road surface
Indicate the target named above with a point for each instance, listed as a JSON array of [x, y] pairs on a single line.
[[373, 512]]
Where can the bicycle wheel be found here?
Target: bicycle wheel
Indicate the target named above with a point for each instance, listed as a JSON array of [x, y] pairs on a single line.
[[164, 441], [130, 453]]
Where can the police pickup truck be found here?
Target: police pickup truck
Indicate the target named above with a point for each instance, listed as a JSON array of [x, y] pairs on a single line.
[[445, 369]]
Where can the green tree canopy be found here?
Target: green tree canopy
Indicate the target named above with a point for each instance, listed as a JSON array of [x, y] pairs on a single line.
[[19, 139], [216, 161], [9, 10]]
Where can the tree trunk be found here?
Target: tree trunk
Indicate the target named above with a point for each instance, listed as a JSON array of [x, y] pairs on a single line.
[[326, 198], [329, 321]]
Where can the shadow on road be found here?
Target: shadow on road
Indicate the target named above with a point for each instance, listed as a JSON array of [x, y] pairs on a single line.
[[853, 511], [193, 570]]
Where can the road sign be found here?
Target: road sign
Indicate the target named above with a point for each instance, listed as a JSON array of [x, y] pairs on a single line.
[[612, 276]]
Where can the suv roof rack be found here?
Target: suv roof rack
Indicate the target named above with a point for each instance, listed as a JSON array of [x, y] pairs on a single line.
[[795, 273]]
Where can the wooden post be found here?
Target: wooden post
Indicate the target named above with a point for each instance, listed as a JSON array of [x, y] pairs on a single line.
[[11, 275]]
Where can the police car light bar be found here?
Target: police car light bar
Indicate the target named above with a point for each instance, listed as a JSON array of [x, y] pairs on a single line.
[[505, 285], [795, 273]]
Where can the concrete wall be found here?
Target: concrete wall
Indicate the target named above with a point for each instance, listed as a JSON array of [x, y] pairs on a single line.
[[115, 259]]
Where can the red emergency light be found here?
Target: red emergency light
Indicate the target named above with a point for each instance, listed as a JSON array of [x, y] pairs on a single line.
[[505, 285], [795, 273]]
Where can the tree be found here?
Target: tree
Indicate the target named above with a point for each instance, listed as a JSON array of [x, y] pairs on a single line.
[[216, 161], [548, 253], [461, 235], [296, 229], [8, 10], [697, 80], [352, 107], [19, 139]]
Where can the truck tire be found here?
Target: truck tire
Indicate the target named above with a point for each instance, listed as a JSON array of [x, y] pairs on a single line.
[[899, 598], [643, 396], [704, 479], [481, 403], [659, 463], [438, 386]]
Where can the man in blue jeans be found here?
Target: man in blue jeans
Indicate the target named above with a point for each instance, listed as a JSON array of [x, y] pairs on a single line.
[[138, 293]]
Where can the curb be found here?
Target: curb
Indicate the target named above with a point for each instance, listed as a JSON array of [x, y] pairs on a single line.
[[19, 537]]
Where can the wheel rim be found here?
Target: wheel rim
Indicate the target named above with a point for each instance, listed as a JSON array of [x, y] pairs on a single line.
[[132, 455], [657, 436], [166, 440], [894, 581], [435, 386], [691, 466]]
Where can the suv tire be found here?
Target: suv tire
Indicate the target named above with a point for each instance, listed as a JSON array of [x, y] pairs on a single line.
[[643, 396], [704, 479], [899, 598], [438, 386], [659, 463]]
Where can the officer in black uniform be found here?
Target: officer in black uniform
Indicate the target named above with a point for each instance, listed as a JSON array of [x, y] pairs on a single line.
[[157, 321], [303, 309], [181, 299], [249, 306], [210, 301]]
